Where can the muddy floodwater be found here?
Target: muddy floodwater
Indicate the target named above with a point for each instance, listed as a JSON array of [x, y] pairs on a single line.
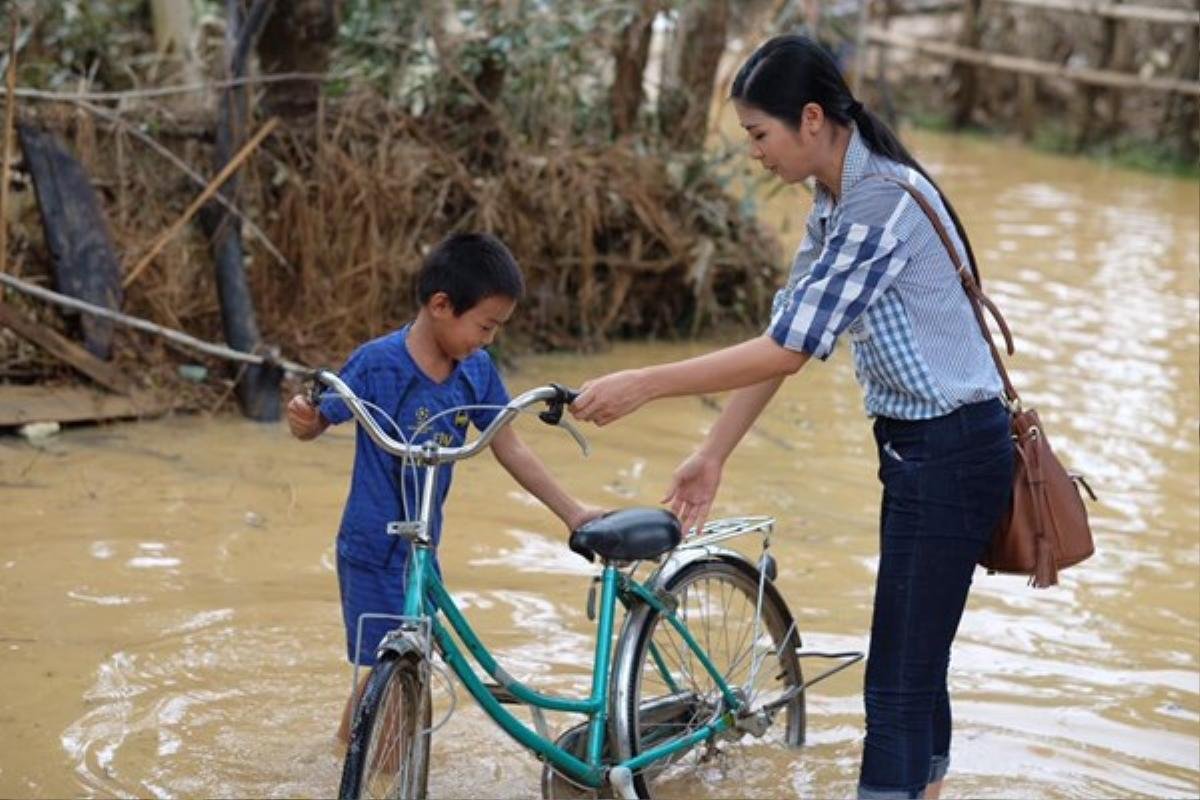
[[170, 624]]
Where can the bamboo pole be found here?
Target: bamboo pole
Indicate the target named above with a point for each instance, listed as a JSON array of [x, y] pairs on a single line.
[[201, 199], [137, 323], [10, 107], [1032, 67], [1170, 16]]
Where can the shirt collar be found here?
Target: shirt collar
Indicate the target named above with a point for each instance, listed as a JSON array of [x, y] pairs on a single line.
[[854, 167]]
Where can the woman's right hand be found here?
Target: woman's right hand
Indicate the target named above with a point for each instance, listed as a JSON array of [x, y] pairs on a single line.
[[693, 489]]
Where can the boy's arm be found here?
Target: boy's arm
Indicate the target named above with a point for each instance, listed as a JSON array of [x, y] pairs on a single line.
[[531, 473], [304, 420]]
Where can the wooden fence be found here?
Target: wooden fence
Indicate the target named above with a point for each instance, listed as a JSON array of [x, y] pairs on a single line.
[[1112, 72]]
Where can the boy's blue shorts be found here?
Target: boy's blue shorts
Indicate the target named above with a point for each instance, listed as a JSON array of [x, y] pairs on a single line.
[[368, 589]]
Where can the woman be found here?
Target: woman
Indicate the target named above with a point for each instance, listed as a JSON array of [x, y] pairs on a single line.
[[871, 266]]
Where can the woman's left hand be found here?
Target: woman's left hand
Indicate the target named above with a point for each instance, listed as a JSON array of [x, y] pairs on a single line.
[[608, 398]]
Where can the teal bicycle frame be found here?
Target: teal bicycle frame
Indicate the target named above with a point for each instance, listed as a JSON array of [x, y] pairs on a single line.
[[426, 595]]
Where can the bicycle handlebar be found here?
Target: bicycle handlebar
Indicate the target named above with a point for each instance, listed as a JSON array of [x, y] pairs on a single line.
[[555, 397]]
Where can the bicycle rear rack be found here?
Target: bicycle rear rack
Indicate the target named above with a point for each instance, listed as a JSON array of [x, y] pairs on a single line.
[[719, 530]]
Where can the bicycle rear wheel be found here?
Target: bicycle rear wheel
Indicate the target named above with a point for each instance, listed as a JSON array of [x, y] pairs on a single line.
[[662, 692], [388, 756]]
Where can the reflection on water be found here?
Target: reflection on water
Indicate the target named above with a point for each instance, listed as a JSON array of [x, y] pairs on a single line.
[[170, 619]]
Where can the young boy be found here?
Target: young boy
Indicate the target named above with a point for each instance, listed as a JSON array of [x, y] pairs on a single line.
[[467, 288]]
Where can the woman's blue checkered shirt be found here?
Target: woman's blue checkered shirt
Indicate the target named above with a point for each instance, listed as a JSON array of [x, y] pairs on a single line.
[[871, 266]]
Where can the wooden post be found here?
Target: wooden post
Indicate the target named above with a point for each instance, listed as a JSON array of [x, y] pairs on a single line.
[[884, 106], [1028, 45], [1088, 95], [860, 46], [965, 77], [257, 386], [10, 107], [1181, 119]]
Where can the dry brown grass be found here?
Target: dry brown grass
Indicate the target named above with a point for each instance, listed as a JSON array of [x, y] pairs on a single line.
[[610, 246]]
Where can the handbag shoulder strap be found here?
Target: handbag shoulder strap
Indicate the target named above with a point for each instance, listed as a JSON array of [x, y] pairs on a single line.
[[970, 285]]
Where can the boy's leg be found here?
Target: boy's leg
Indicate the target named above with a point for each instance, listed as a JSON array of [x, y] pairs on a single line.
[[343, 731]]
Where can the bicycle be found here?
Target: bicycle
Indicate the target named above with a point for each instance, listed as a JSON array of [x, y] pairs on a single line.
[[708, 653]]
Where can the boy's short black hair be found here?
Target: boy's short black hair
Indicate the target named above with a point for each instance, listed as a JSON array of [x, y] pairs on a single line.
[[469, 267]]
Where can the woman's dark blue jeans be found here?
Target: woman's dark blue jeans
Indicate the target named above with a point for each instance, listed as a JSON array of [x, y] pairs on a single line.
[[946, 484]]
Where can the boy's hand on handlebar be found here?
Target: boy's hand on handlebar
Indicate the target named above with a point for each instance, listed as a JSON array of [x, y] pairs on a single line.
[[304, 420], [693, 489], [608, 398]]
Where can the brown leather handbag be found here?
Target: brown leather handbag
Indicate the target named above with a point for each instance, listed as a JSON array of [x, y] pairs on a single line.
[[1046, 528]]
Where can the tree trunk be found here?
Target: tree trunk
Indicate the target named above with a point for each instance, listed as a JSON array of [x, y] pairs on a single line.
[[687, 91], [297, 37], [630, 54], [173, 35], [257, 386]]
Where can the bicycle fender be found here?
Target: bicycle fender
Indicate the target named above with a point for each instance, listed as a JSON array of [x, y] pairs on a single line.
[[684, 556], [401, 643]]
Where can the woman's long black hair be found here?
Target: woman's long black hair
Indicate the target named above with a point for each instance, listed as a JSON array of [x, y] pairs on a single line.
[[787, 72]]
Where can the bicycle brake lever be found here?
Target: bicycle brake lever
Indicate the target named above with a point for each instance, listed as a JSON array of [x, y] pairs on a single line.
[[554, 408], [576, 435], [553, 415], [315, 388]]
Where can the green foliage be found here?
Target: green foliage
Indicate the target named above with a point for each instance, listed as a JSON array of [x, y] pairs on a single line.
[[1123, 151], [1054, 136], [544, 63], [378, 44], [72, 40]]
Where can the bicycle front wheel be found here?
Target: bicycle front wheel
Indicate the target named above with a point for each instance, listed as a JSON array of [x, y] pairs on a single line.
[[388, 755], [662, 692]]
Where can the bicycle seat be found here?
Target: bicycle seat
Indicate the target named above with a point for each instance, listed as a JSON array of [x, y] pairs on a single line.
[[630, 534]]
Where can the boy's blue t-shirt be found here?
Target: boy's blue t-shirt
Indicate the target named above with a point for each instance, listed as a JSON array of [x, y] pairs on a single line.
[[384, 373]]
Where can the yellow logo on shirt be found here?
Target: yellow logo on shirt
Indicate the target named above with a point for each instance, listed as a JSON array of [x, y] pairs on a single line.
[[461, 419]]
